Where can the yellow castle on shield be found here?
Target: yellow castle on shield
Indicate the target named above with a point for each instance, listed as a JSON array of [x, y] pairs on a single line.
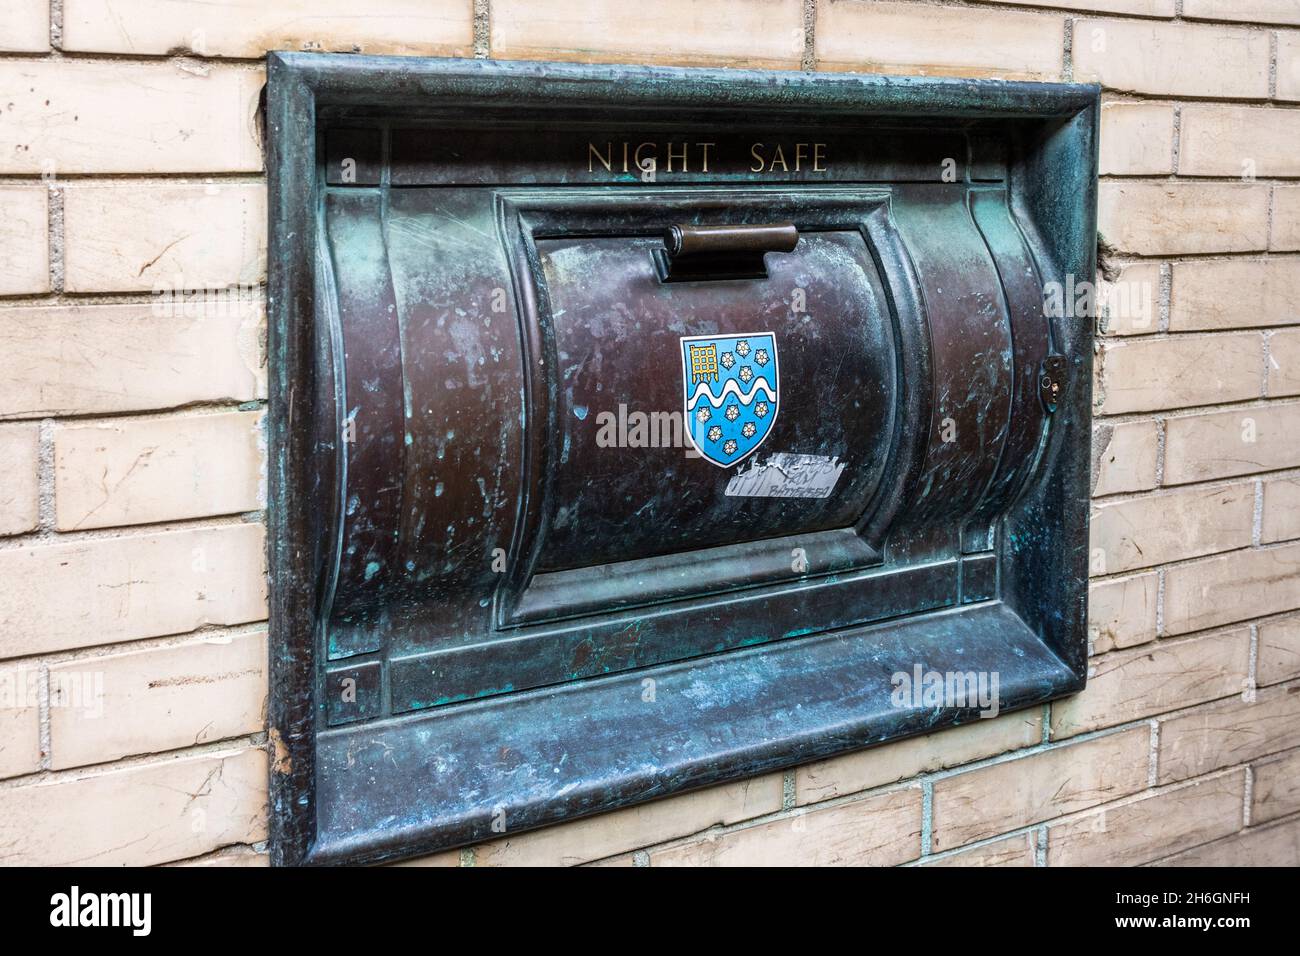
[[704, 363]]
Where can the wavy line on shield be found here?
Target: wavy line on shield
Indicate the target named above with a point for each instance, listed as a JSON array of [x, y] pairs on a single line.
[[731, 388]]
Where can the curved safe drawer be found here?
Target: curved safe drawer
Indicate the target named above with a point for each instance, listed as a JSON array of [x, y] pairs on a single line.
[[646, 444]]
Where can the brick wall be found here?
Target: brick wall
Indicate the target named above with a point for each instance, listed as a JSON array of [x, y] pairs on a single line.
[[132, 588]]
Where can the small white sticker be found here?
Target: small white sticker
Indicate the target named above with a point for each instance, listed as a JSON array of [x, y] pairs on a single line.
[[784, 475]]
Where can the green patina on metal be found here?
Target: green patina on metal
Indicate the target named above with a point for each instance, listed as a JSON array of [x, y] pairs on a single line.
[[485, 614]]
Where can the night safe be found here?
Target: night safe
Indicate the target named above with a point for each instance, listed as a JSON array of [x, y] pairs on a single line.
[[636, 429]]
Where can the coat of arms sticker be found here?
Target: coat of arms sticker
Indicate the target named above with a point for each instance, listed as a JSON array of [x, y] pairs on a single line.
[[730, 385]]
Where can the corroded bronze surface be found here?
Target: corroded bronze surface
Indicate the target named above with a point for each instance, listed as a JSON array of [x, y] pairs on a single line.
[[530, 558]]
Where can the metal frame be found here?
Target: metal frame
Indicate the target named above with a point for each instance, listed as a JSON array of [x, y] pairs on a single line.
[[1044, 592]]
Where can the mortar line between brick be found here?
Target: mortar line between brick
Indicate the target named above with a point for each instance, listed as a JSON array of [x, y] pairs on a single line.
[[1153, 774], [1177, 143], [1279, 823], [129, 416], [45, 512], [1247, 796], [927, 818], [254, 741], [1161, 439], [1137, 796], [1067, 50], [1191, 411], [1268, 218], [1244, 550], [808, 60], [1268, 360], [119, 532], [55, 235], [1257, 517], [1248, 693], [1160, 603], [56, 27], [1272, 63], [1027, 830], [482, 29], [1041, 828], [1165, 293], [217, 852], [208, 634], [43, 717]]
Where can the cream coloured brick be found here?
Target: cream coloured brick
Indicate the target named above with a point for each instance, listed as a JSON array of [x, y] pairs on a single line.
[[1126, 457], [622, 860], [158, 469], [1243, 11], [1139, 375], [602, 836], [20, 721], [1128, 685], [1122, 611], [1277, 788], [1143, 828], [19, 449], [1137, 139], [1217, 140], [1286, 219], [97, 359], [1227, 293], [1234, 587], [249, 28], [139, 815], [891, 762], [65, 116], [165, 698], [237, 856], [1288, 64], [25, 26], [1015, 793], [1170, 526], [767, 33], [1172, 59], [130, 237], [1279, 650], [1220, 444], [447, 858], [1284, 363], [1013, 851], [1142, 8], [1229, 732], [1281, 510], [909, 38], [1276, 845], [879, 830], [106, 590], [1130, 305], [1162, 218], [24, 240]]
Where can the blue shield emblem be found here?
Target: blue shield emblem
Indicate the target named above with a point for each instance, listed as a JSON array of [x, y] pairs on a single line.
[[729, 386]]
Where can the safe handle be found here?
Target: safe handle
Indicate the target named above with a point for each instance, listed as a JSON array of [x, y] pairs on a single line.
[[703, 253]]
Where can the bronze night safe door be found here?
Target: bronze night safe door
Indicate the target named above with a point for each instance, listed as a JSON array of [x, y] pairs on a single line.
[[636, 429]]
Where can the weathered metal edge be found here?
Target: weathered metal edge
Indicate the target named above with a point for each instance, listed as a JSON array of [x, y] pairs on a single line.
[[343, 79], [290, 162], [592, 746]]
